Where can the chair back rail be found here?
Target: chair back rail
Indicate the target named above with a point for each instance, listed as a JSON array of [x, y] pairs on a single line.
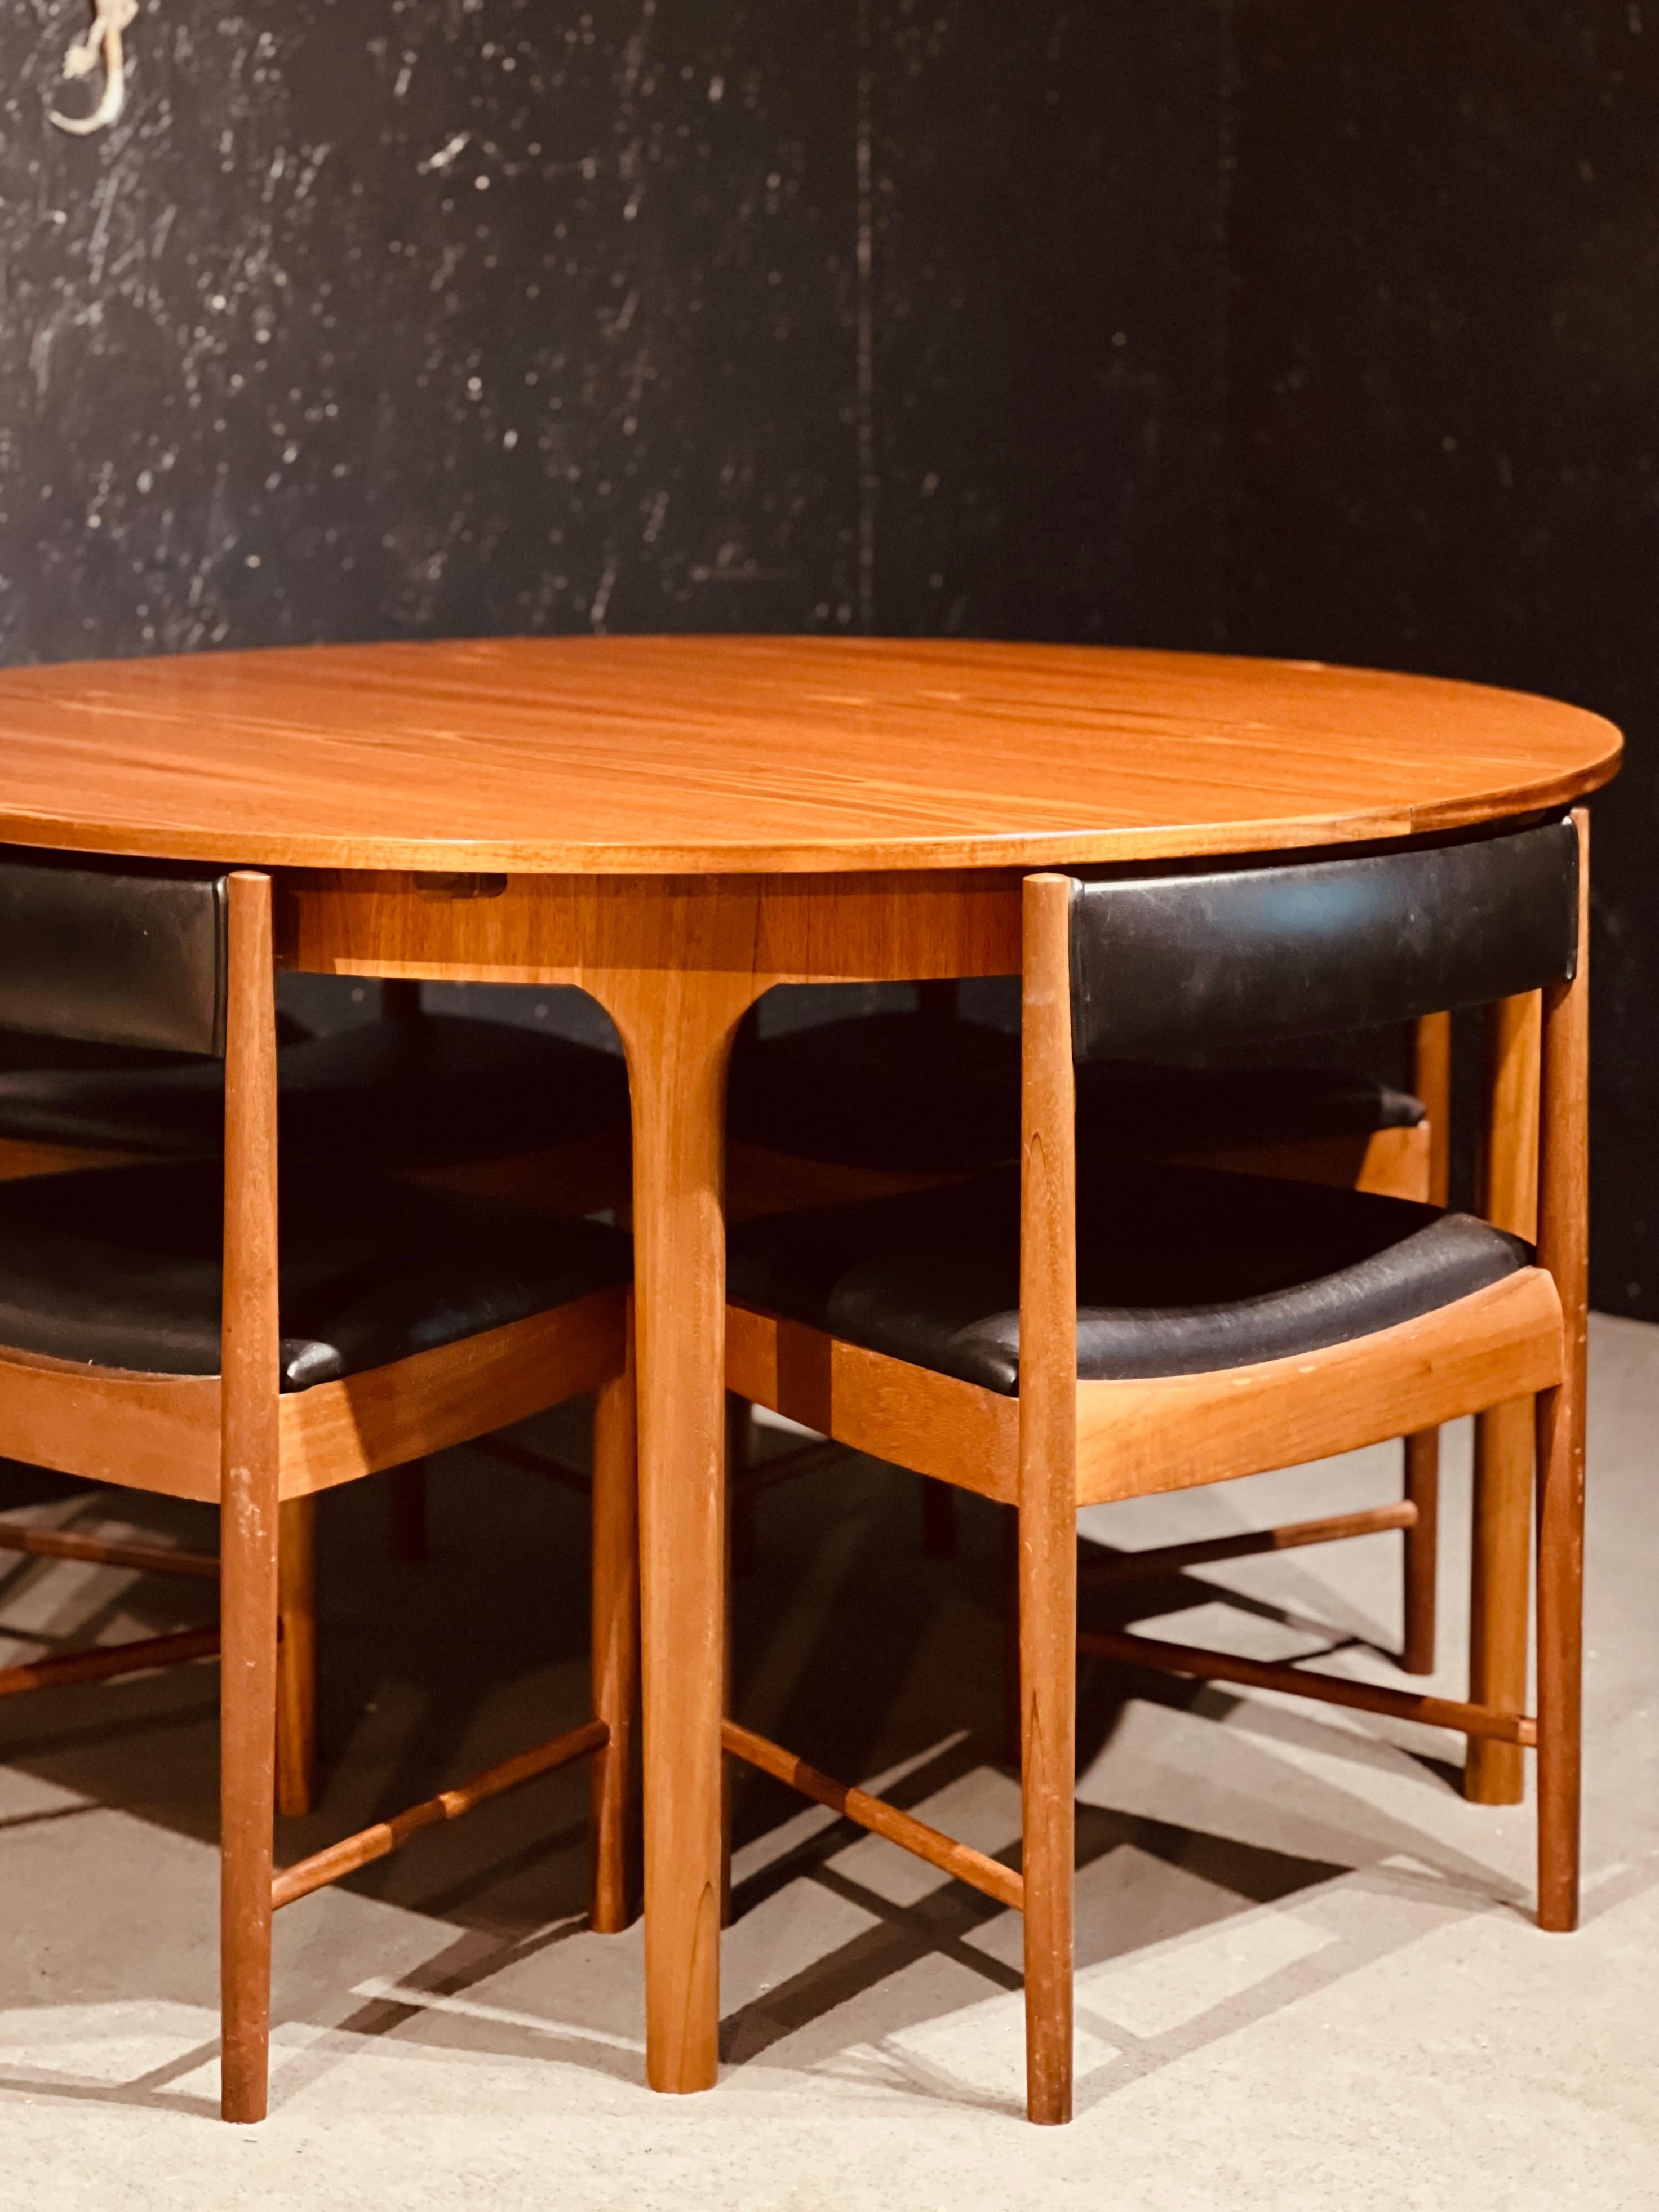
[[1164, 966], [121, 952]]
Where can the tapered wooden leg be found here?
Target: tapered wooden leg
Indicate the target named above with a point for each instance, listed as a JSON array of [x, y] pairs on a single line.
[[1048, 1643], [615, 1642], [1047, 1492], [739, 1541], [677, 1026], [1502, 1561], [1500, 1589], [1563, 1248], [1560, 1653], [409, 1528], [1012, 1721], [248, 1520], [1422, 1542], [247, 1793], [938, 1520], [1431, 1069], [296, 1658]]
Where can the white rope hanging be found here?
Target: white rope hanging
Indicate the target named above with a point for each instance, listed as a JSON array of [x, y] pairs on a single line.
[[110, 18]]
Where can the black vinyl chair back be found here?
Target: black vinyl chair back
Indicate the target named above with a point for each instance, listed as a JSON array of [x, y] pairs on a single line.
[[122, 952], [1163, 967]]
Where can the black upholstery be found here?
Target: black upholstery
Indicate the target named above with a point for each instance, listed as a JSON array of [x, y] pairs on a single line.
[[1180, 1271], [911, 1093], [120, 1267], [125, 952], [23, 1053], [436, 1089], [1173, 965]]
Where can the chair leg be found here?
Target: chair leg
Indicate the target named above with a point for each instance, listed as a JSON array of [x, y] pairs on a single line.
[[296, 1657], [1432, 1057], [1560, 1652], [409, 1525], [1499, 1590], [250, 1465], [1563, 1248], [1012, 1723], [247, 1693], [1422, 1559], [1047, 1655], [742, 1536], [616, 1645], [742, 1553], [938, 1520]]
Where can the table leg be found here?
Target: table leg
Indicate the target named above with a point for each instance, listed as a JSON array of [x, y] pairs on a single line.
[[677, 1027]]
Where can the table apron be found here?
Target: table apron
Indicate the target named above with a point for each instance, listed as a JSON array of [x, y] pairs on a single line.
[[578, 929]]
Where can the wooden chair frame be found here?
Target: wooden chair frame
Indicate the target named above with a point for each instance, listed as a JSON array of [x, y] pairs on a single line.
[[1061, 1444], [569, 1179], [102, 1662], [1410, 1162], [236, 1439]]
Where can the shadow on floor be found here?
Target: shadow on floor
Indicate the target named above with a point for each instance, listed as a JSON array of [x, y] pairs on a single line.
[[849, 1645]]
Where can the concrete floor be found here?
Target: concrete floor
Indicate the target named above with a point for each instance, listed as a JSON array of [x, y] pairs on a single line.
[[1306, 1976]]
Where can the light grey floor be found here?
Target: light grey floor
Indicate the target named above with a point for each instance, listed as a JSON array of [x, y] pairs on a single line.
[[1307, 1976]]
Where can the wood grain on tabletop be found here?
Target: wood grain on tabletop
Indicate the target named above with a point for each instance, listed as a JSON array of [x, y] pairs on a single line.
[[663, 754]]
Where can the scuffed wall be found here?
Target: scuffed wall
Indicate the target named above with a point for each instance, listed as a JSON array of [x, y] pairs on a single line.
[[370, 318], [1443, 417], [383, 317]]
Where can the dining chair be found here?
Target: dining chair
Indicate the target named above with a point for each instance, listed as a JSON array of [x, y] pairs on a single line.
[[494, 1106], [1068, 1333], [184, 1328], [870, 1104], [450, 1100]]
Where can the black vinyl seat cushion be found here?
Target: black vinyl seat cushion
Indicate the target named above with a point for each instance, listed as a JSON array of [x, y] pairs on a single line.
[[421, 1093], [913, 1095], [1180, 1271], [121, 1267]]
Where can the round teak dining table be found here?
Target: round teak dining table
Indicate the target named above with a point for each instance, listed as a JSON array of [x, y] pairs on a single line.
[[676, 824]]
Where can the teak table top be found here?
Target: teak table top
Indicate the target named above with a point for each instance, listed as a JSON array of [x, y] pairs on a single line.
[[667, 755]]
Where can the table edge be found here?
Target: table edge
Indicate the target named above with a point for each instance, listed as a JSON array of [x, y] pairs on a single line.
[[864, 855]]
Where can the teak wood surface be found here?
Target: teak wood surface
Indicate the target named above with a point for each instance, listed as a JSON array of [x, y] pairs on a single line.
[[1170, 1433], [692, 755], [677, 824], [1501, 1581], [1431, 1080]]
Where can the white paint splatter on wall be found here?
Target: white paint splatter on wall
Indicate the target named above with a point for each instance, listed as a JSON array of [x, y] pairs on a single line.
[[386, 317], [103, 42]]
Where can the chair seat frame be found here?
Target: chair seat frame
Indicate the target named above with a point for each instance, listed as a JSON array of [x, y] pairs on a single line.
[[1409, 1162]]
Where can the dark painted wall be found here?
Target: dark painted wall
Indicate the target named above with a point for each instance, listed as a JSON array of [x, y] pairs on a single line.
[[1326, 329], [373, 318], [1443, 415]]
